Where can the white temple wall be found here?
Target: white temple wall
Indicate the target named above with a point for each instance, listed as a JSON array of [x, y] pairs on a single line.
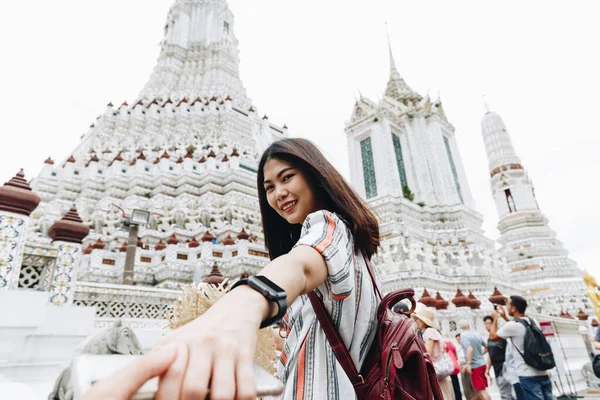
[[358, 182], [523, 195], [460, 171], [411, 175], [393, 185], [384, 160], [36, 339], [500, 200], [445, 192]]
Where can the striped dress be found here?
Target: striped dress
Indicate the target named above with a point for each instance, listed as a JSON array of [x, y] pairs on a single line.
[[307, 365]]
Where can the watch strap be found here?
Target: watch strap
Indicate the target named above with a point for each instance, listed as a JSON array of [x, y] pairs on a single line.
[[271, 298]]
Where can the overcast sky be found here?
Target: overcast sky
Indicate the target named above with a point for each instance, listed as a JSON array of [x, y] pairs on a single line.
[[303, 63]]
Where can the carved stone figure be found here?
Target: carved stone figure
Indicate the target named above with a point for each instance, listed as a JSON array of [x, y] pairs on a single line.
[[116, 340]]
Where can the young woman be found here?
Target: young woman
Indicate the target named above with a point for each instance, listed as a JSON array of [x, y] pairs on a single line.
[[319, 234], [434, 343]]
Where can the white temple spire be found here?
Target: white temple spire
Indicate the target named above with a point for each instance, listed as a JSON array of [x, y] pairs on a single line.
[[397, 87], [498, 145], [392, 61], [486, 106], [537, 259], [199, 55]]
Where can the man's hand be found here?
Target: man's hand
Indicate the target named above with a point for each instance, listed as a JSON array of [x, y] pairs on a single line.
[[487, 375], [468, 370], [501, 312]]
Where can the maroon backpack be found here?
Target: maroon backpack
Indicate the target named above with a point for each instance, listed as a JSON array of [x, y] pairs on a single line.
[[397, 366]]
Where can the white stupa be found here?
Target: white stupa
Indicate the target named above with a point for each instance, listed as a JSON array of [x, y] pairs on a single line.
[[536, 258]]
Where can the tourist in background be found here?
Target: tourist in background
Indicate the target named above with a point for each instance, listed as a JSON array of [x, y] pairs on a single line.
[[465, 379], [451, 350], [536, 384], [473, 345], [510, 373], [434, 345], [496, 360]]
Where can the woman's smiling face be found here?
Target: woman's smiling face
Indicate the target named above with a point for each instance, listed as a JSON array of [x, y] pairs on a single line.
[[289, 191]]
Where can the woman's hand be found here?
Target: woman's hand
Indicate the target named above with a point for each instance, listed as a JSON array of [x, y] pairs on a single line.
[[218, 350], [124, 384], [220, 344]]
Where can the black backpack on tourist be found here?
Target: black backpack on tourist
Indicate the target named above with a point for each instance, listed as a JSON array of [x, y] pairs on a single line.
[[537, 352]]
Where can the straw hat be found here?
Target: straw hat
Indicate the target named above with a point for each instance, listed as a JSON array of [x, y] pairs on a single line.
[[425, 315]]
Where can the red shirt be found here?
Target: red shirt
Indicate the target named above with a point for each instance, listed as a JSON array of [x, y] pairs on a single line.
[[451, 350]]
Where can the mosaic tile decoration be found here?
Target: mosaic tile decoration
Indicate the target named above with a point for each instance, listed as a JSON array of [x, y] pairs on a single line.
[[399, 160], [63, 284], [12, 239], [368, 168]]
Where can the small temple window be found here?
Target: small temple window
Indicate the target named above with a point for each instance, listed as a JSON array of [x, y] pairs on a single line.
[[76, 172], [100, 171], [124, 171], [147, 169], [53, 174], [225, 26], [370, 179], [510, 201]]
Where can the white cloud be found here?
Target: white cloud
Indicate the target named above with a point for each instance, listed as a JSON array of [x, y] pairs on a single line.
[[304, 62]]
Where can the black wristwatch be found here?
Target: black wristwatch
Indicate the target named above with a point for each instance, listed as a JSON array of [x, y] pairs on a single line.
[[272, 292]]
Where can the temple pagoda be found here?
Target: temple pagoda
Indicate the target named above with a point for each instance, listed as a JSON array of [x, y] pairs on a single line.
[[186, 150]]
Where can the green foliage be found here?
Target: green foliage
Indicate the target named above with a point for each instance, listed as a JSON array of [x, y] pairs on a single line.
[[191, 149], [406, 192], [421, 204]]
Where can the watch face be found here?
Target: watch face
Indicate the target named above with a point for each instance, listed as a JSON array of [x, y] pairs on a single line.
[[267, 287]]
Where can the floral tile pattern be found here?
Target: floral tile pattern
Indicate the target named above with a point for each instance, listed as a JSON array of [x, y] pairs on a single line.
[[12, 239], [62, 288]]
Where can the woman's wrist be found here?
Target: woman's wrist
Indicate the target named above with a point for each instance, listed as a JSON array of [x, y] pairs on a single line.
[[255, 306]]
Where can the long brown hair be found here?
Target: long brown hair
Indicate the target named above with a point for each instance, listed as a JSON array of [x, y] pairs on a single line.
[[332, 190]]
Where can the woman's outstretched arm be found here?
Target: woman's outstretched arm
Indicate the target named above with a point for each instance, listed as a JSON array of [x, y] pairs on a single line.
[[221, 342]]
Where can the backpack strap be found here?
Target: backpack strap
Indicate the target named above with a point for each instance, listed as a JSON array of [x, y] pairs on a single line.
[[335, 340], [333, 336], [526, 325], [372, 275]]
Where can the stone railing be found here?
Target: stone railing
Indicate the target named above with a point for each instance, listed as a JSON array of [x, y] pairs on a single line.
[[121, 301]]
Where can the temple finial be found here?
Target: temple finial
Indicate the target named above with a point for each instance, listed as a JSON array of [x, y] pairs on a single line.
[[485, 104], [392, 62]]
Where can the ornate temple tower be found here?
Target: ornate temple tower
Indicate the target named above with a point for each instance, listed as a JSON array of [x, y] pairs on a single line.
[[405, 142], [538, 261], [185, 150], [404, 160]]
